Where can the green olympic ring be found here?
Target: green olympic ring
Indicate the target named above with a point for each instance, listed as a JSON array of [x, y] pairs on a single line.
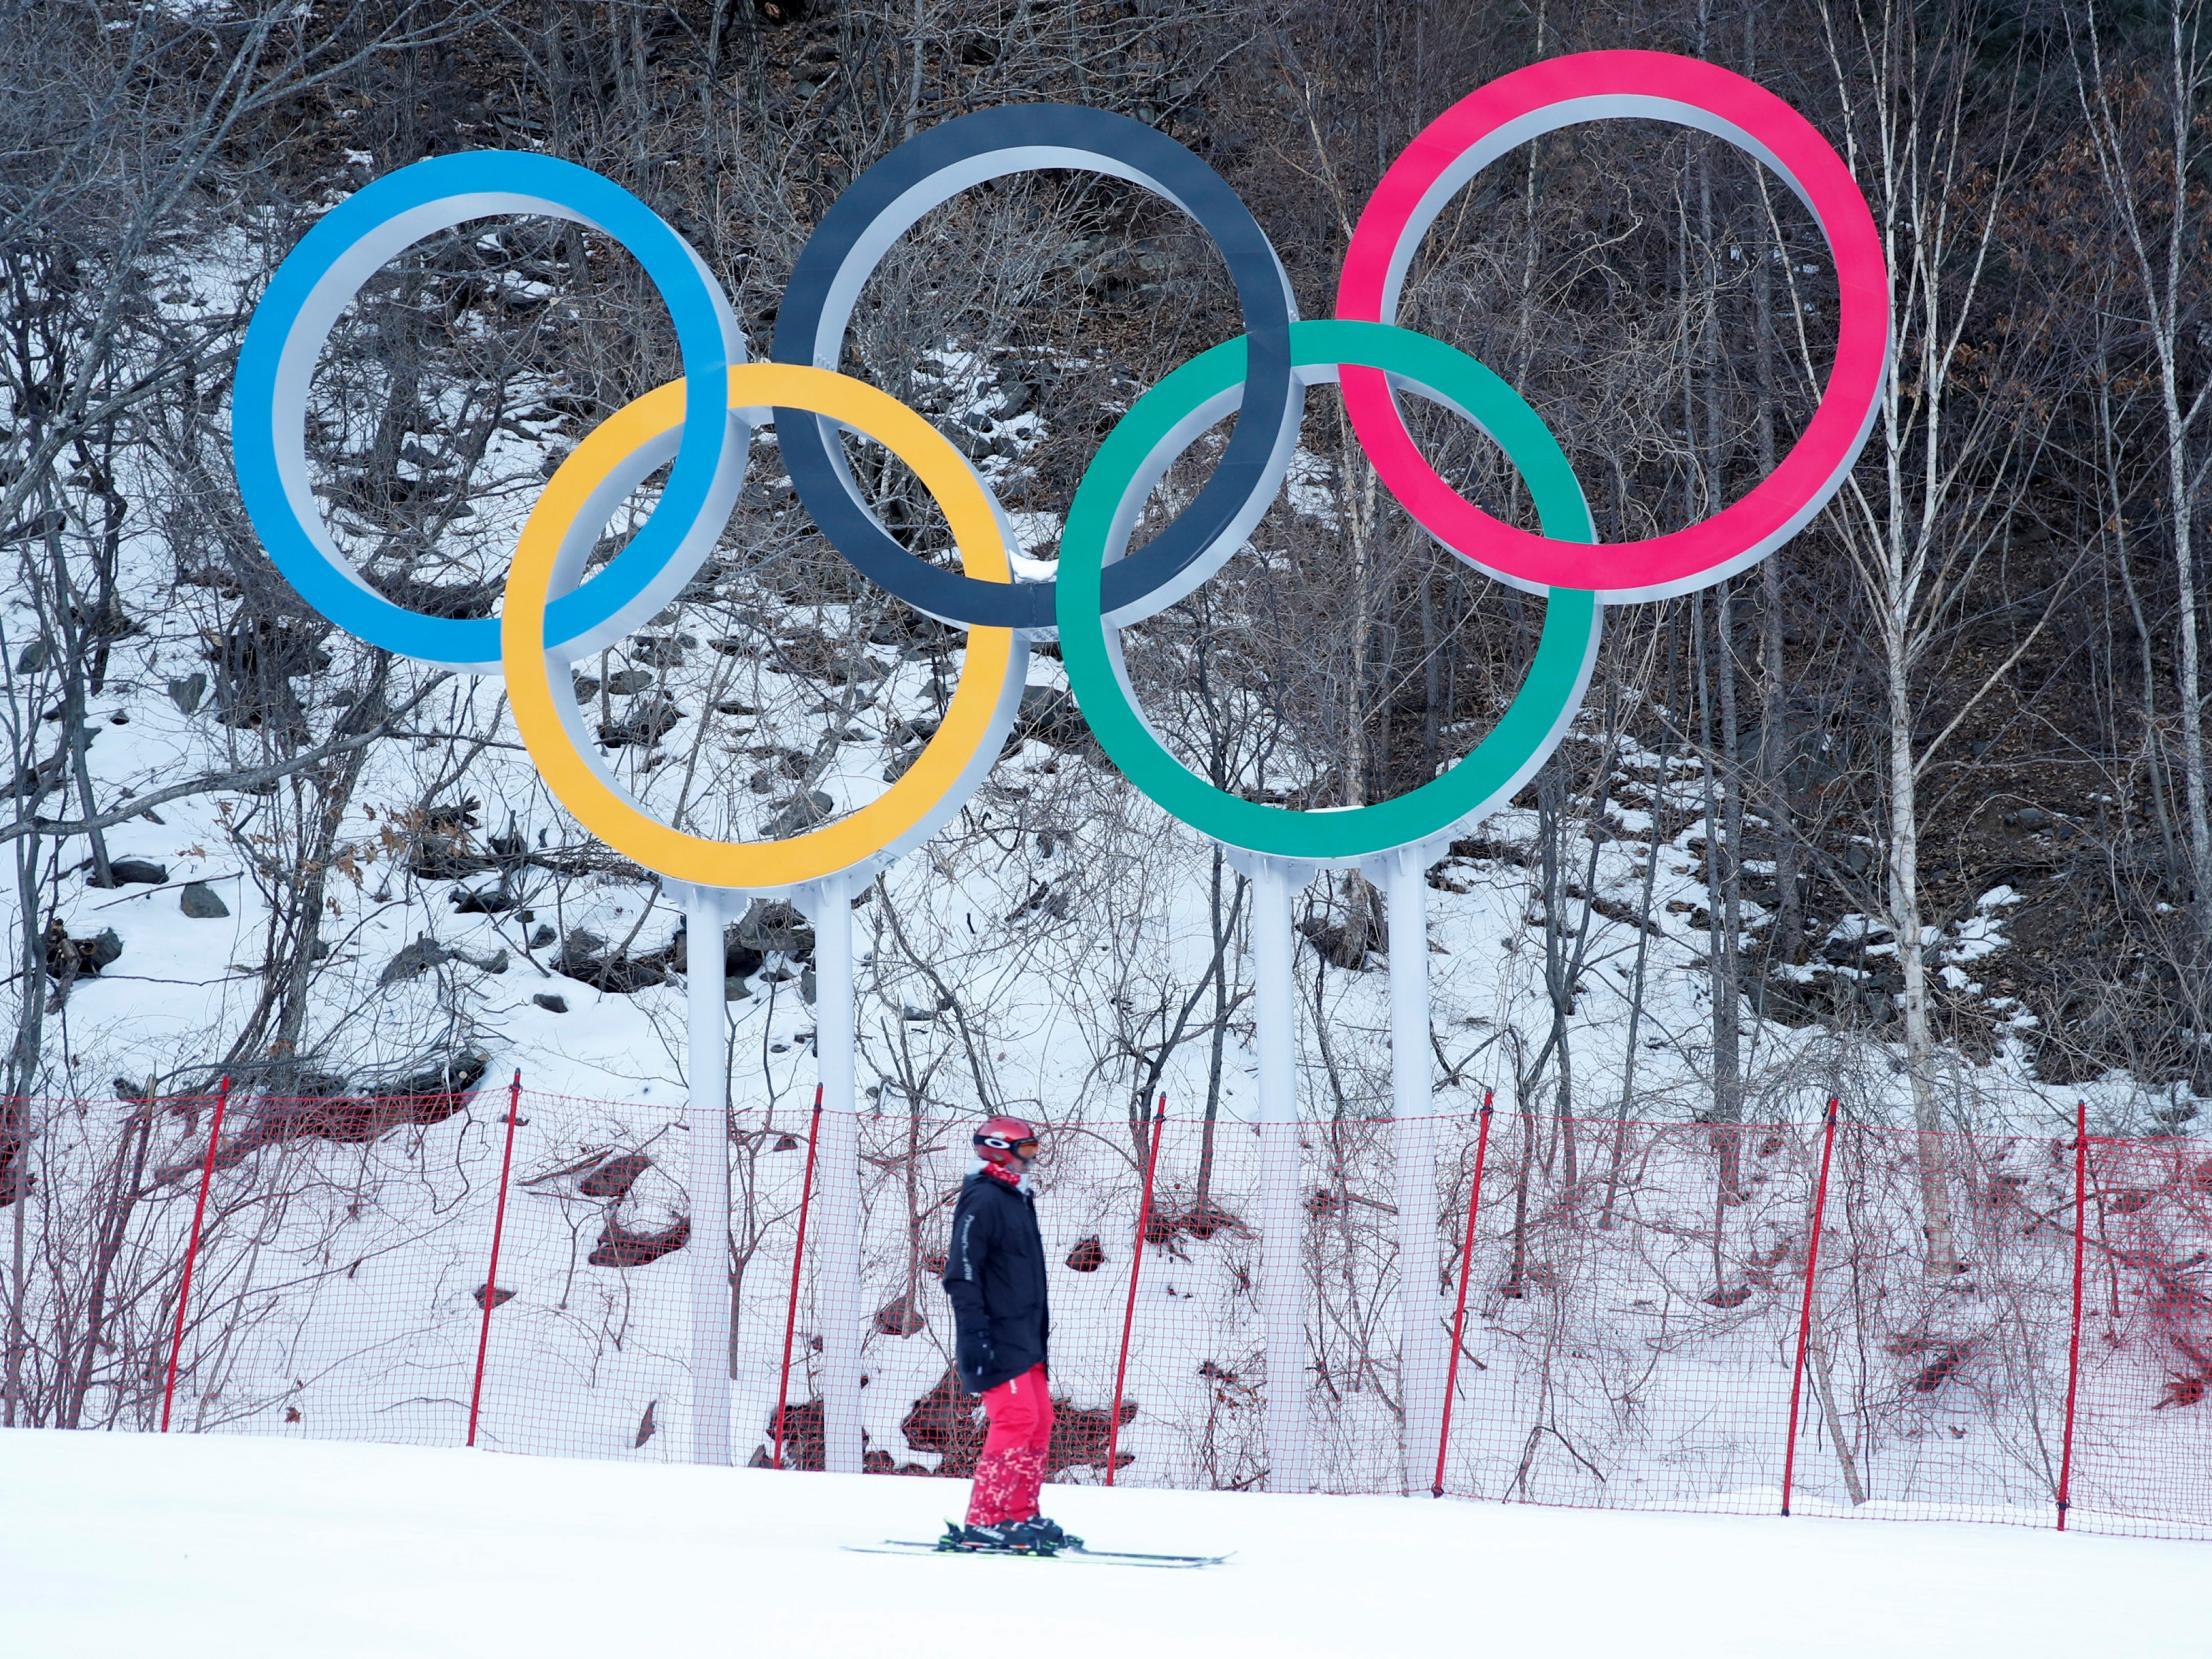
[[1159, 426]]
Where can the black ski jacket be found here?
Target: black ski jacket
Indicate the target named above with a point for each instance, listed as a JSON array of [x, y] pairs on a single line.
[[995, 1275]]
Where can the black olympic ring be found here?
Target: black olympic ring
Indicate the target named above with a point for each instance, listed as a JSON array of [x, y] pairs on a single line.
[[932, 167]]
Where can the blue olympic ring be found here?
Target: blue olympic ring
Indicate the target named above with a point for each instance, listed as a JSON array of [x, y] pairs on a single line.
[[321, 276]]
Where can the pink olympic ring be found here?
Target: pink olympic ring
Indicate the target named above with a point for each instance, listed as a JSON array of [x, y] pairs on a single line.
[[1596, 86]]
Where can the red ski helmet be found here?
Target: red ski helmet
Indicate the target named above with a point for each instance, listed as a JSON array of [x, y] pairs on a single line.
[[1001, 1140]]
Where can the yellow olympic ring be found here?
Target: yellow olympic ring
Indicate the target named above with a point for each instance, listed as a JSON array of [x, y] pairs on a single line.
[[569, 519]]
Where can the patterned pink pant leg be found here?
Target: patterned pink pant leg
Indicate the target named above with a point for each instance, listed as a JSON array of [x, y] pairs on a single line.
[[1012, 1467], [1029, 1461]]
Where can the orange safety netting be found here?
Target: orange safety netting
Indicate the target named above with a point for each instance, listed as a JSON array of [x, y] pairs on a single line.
[[1636, 1310]]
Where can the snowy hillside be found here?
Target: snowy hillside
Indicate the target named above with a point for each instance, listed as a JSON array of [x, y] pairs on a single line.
[[1033, 958]]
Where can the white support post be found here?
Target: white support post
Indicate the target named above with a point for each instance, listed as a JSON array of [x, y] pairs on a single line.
[[1282, 1286], [1421, 1344], [707, 1078], [829, 905]]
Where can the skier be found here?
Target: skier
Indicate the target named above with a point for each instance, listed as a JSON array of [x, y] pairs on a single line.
[[995, 1275]]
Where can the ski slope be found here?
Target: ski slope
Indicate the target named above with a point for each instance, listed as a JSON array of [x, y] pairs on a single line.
[[114, 1544]]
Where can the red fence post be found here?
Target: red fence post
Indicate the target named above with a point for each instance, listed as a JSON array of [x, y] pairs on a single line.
[[192, 1249], [2073, 1340], [490, 1292], [798, 1258], [1136, 1261], [1459, 1313], [1805, 1313]]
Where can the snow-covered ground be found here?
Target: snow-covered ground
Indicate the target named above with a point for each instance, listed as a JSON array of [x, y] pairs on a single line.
[[130, 1544]]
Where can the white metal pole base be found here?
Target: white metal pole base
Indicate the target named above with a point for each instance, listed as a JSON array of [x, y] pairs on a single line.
[[707, 1079], [1421, 1343], [1282, 1284], [839, 1291]]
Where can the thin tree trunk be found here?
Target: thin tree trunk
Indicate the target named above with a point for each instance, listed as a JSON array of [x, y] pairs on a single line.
[[130, 1170], [1644, 926], [2187, 675], [1705, 486], [1904, 908], [1824, 1384], [1224, 933], [1558, 974], [1774, 739], [18, 1284]]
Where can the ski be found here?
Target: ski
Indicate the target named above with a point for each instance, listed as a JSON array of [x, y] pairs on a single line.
[[1126, 1558], [1151, 1558]]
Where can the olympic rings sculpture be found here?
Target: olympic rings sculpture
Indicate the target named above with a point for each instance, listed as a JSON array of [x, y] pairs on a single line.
[[705, 422]]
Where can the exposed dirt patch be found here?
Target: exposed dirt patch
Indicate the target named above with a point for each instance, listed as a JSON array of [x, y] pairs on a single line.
[[620, 1247]]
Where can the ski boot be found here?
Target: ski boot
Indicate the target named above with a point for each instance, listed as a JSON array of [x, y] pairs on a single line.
[[1002, 1538], [1053, 1533]]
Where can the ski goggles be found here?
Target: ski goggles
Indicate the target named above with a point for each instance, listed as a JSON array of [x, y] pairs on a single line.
[[1024, 1149], [701, 427]]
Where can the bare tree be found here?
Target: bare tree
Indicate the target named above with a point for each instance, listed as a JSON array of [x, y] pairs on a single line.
[[2143, 114], [1940, 145]]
